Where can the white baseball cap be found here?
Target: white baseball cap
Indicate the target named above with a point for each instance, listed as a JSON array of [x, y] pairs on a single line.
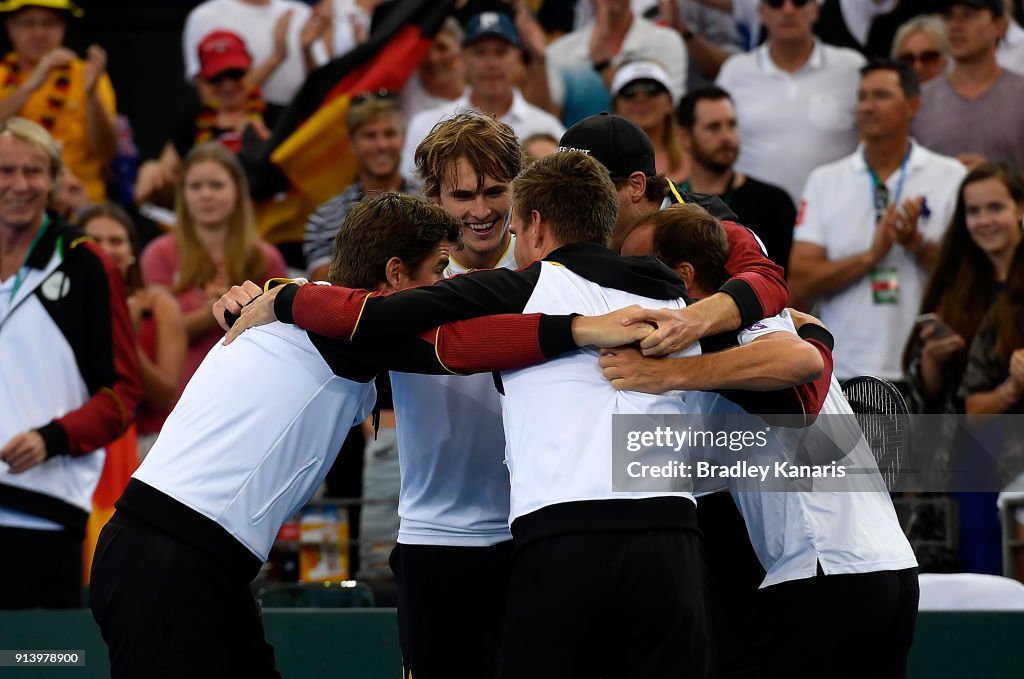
[[643, 70]]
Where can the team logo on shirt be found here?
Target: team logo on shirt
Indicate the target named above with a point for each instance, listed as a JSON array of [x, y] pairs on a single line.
[[57, 286], [757, 326]]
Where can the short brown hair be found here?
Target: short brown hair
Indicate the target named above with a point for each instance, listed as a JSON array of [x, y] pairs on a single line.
[[686, 232], [383, 226], [573, 192], [487, 144], [371, 109]]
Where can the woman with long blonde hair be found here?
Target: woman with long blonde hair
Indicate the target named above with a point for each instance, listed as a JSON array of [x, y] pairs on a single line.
[[214, 246]]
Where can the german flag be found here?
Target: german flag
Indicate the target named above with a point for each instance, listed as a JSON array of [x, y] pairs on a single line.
[[308, 150]]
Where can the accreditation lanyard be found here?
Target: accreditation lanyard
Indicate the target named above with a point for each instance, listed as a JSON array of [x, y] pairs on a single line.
[[18, 280], [880, 192]]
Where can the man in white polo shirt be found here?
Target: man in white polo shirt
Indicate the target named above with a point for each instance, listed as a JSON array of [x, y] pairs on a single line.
[[867, 227], [492, 51], [794, 98]]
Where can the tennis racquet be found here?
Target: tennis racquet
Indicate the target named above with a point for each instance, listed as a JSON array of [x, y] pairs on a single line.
[[883, 416]]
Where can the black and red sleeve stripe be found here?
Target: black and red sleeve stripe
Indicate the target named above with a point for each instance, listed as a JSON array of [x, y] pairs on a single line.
[[374, 319], [812, 394], [758, 285], [105, 349]]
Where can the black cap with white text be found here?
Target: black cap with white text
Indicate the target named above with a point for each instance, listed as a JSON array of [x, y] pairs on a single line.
[[620, 144]]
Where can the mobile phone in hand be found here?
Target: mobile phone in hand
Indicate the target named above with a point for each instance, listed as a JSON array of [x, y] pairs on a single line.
[[940, 329]]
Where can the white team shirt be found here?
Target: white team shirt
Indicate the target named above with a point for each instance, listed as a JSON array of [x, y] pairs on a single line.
[[558, 416], [793, 531], [451, 448], [790, 123], [837, 213], [255, 432], [506, 261]]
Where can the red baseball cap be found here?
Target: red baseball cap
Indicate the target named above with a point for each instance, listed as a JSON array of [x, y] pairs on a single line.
[[222, 51]]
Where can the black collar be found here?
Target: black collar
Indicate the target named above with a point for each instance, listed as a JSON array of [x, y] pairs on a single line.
[[643, 276], [41, 253]]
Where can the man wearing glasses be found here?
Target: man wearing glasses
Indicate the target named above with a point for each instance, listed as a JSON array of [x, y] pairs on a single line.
[[794, 97], [868, 224]]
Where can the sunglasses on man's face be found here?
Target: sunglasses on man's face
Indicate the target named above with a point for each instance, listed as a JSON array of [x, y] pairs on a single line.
[[230, 74], [637, 87], [926, 58], [777, 4]]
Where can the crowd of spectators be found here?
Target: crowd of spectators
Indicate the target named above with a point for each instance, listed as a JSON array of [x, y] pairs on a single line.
[[874, 147]]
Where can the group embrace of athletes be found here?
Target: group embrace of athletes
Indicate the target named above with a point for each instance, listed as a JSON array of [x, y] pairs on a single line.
[[515, 557]]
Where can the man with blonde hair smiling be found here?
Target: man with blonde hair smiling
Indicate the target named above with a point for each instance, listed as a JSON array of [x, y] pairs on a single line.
[[63, 324]]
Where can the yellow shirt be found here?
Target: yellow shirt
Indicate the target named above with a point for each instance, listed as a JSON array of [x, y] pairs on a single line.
[[70, 121]]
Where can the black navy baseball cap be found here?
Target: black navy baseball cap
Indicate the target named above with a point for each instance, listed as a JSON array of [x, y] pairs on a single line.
[[491, 25], [620, 144]]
